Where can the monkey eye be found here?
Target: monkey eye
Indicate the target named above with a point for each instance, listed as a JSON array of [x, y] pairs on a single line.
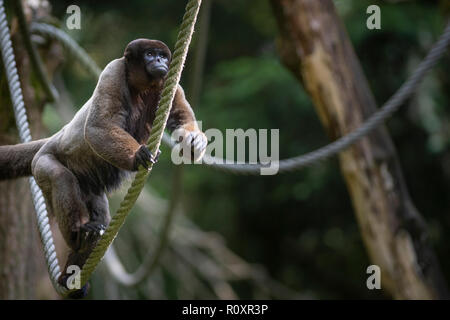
[[150, 54]]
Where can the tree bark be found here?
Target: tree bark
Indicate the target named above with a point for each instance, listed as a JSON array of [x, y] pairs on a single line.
[[23, 274], [314, 45]]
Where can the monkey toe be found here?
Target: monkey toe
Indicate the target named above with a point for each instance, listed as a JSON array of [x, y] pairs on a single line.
[[76, 294], [80, 293], [93, 226], [92, 229], [89, 233]]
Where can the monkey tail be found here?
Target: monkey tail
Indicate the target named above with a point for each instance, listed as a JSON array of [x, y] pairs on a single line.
[[15, 160]]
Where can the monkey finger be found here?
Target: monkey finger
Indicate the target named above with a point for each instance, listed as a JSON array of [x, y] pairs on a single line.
[[189, 139], [94, 226], [145, 152], [156, 158], [144, 156], [201, 137], [194, 136], [203, 145], [197, 143], [200, 140], [144, 163], [140, 161], [150, 157]]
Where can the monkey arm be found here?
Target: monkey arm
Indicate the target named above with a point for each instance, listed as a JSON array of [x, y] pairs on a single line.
[[182, 121], [181, 113], [103, 133]]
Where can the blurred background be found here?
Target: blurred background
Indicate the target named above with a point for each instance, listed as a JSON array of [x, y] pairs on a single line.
[[288, 236]]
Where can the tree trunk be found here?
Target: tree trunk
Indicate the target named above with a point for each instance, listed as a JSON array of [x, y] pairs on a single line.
[[315, 47], [23, 274]]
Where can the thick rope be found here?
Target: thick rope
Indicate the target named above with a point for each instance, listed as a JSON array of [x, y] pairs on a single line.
[[25, 136], [311, 158], [162, 114]]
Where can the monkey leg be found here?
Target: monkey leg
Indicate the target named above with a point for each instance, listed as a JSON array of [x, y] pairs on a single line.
[[98, 207], [89, 234], [63, 195], [91, 231]]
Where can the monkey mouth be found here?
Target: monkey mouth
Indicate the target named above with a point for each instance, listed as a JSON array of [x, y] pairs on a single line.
[[159, 71]]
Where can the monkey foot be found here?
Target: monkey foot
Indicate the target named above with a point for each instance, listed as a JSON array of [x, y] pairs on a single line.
[[93, 227], [76, 294], [81, 293], [89, 233]]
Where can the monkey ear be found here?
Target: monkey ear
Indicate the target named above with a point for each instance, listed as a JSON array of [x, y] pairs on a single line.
[[127, 54]]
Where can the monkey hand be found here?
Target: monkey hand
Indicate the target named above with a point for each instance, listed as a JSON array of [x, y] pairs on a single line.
[[143, 157], [89, 233], [193, 140]]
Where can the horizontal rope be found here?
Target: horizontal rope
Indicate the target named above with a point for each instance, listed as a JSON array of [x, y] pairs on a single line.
[[308, 159]]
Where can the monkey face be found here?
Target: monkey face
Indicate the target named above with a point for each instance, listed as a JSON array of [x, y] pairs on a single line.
[[149, 61], [156, 62]]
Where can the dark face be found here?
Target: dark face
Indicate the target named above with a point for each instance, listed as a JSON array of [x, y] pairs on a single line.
[[156, 62], [147, 61]]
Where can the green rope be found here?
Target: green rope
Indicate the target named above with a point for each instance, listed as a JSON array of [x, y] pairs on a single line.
[[162, 114]]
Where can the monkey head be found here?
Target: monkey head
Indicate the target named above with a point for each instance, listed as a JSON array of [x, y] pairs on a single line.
[[148, 61]]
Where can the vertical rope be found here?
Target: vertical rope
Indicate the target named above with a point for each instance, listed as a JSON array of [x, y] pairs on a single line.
[[25, 136], [162, 114]]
